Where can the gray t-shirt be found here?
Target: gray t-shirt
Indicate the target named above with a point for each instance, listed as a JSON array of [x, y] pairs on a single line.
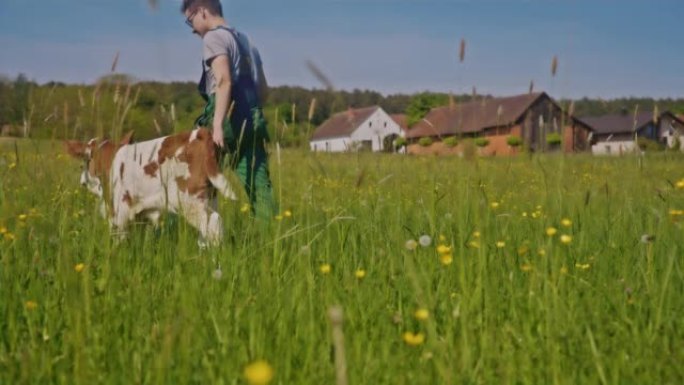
[[221, 41]]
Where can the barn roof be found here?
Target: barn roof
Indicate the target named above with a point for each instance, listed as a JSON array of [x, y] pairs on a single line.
[[474, 116]]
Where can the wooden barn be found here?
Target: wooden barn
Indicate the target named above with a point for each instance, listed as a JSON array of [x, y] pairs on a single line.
[[534, 119]]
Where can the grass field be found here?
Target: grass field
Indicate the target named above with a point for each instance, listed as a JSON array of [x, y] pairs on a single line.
[[539, 270]]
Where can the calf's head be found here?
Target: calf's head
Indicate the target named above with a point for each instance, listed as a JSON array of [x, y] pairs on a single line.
[[97, 157]]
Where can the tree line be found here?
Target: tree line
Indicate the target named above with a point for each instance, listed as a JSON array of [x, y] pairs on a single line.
[[119, 103]]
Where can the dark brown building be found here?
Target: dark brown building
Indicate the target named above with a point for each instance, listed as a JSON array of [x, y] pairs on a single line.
[[532, 117]]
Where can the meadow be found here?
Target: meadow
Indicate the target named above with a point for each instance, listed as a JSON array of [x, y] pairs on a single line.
[[543, 269]]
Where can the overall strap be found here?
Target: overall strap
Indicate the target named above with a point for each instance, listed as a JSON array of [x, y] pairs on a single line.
[[246, 59]]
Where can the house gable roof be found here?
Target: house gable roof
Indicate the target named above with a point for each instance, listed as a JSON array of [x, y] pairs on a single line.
[[343, 124], [678, 118], [474, 116], [618, 123], [401, 120]]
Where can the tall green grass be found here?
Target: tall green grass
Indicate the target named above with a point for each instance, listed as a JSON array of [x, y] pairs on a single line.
[[516, 306]]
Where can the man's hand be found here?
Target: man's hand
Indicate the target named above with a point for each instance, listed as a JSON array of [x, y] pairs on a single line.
[[218, 136]]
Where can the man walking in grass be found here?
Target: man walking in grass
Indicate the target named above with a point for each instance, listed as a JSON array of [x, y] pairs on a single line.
[[234, 87]]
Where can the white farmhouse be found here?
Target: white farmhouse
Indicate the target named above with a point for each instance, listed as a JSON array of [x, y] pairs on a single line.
[[362, 129]]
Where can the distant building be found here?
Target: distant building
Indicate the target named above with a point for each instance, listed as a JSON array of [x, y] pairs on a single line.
[[362, 129], [617, 133], [532, 117]]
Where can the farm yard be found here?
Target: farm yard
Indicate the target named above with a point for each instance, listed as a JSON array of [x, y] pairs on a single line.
[[529, 269]]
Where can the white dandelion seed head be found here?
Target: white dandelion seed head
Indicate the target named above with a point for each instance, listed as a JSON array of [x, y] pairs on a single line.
[[647, 238], [425, 240], [411, 244], [218, 274]]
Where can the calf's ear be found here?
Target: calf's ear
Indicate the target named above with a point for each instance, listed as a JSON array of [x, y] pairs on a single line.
[[75, 148], [127, 139]]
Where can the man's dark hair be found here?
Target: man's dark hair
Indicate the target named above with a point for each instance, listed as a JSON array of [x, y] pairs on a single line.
[[213, 6]]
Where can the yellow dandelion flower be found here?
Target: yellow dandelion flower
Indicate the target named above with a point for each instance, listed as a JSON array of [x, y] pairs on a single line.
[[446, 259], [9, 236], [360, 273], [500, 244], [22, 217], [287, 214], [541, 252], [442, 238], [421, 314], [3, 230], [414, 339], [526, 267], [326, 268], [680, 184], [523, 250], [245, 208], [476, 234], [564, 270], [566, 222], [443, 249], [79, 267], [411, 244], [583, 266], [524, 214], [536, 214], [30, 305], [494, 205], [566, 239], [676, 213], [551, 231], [258, 373], [474, 244], [278, 217], [12, 166]]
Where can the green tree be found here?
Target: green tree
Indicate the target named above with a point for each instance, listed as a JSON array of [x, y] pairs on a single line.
[[421, 104]]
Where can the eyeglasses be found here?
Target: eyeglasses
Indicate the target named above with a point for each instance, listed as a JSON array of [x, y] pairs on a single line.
[[188, 21]]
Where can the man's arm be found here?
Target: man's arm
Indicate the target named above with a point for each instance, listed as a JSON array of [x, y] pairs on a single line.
[[224, 82]]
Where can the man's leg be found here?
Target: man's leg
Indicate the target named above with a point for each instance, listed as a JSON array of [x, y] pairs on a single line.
[[252, 170]]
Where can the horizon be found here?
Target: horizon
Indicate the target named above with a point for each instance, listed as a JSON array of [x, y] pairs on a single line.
[[390, 47], [385, 95]]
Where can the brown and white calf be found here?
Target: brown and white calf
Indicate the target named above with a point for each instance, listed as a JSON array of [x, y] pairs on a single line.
[[177, 173]]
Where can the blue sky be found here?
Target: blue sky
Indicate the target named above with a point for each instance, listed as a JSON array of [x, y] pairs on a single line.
[[605, 48]]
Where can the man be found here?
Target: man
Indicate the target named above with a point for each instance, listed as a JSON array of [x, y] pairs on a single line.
[[234, 86]]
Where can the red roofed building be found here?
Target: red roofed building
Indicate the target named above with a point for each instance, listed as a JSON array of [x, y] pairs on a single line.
[[533, 118]]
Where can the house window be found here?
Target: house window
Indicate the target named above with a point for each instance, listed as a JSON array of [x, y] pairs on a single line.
[[327, 146], [385, 125], [370, 124]]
